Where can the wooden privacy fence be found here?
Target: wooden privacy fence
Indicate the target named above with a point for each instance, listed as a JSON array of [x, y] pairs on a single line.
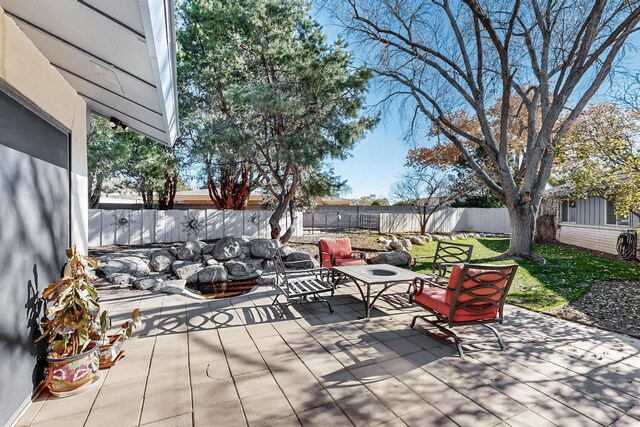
[[139, 227], [448, 220]]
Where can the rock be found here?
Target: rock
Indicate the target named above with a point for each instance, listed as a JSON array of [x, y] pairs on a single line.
[[381, 240], [427, 238], [394, 238], [212, 262], [299, 260], [388, 248], [266, 281], [208, 249], [264, 248], [242, 268], [416, 240], [170, 286], [268, 266], [255, 275], [187, 270], [121, 279], [173, 251], [245, 240], [394, 258], [161, 260], [227, 248], [396, 246], [245, 251], [191, 251], [285, 251], [436, 237], [207, 258], [213, 274], [144, 283], [407, 244], [132, 265], [385, 242]]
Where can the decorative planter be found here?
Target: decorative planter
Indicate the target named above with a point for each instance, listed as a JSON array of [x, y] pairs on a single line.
[[112, 352], [70, 373]]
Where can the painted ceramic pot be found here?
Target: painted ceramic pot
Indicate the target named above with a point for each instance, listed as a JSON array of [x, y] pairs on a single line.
[[69, 373], [109, 352]]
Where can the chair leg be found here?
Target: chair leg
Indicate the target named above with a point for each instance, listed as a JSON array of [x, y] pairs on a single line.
[[497, 334]]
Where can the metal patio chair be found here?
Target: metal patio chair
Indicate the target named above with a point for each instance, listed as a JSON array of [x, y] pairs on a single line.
[[338, 253], [447, 254], [475, 295], [301, 286]]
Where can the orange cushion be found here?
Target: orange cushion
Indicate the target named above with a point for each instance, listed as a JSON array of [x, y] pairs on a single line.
[[341, 248], [486, 276], [435, 299], [350, 261]]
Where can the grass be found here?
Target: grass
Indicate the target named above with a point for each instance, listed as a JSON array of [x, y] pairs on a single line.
[[567, 274]]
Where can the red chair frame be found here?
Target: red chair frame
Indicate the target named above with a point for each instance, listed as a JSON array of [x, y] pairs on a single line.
[[470, 296]]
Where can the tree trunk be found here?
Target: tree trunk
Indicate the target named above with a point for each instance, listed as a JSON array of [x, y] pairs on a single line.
[[523, 219], [292, 214], [274, 220]]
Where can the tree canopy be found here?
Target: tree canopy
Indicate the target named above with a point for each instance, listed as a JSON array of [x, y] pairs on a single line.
[[444, 59]]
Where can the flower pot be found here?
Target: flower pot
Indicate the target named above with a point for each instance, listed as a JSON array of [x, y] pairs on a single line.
[[111, 352], [70, 373]]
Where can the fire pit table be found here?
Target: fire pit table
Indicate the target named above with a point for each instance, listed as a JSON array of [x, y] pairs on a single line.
[[376, 274]]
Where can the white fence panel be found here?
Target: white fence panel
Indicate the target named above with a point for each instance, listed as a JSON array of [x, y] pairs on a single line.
[[139, 227], [487, 220], [95, 227], [215, 224]]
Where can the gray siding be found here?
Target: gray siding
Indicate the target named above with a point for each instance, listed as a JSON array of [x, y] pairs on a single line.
[[590, 211]]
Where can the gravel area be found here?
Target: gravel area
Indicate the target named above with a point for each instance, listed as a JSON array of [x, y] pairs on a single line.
[[610, 305]]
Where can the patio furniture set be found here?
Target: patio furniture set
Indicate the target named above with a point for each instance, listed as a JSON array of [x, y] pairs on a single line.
[[456, 293]]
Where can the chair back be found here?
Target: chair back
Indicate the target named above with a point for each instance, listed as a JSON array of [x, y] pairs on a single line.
[[281, 277], [449, 252], [478, 292], [339, 248]]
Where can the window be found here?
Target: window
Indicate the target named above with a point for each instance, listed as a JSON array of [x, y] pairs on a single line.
[[613, 219], [568, 211]]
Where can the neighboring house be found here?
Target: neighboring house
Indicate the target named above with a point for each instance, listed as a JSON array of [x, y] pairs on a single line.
[[60, 61], [592, 223]]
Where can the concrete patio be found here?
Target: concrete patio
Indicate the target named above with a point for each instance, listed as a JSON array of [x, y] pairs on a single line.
[[234, 363]]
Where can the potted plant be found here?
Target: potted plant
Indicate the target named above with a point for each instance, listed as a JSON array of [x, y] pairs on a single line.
[[111, 345], [70, 326]]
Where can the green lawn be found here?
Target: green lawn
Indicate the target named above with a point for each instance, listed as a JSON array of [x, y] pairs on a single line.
[[567, 274]]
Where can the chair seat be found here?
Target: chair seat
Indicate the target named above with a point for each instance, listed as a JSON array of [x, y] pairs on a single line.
[[308, 286], [435, 299], [349, 261]]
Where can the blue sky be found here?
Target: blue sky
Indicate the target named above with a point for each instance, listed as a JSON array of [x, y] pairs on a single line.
[[378, 160]]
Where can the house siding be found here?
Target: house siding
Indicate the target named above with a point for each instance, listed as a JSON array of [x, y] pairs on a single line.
[[597, 238]]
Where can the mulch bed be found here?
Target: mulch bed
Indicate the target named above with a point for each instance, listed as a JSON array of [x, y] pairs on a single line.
[[614, 306]]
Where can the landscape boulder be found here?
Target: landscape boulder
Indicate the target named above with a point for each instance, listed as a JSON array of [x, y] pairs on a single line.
[[268, 266], [264, 248], [407, 244], [285, 251], [190, 251], [187, 270], [170, 287], [243, 269], [132, 265], [213, 274], [227, 248], [416, 240], [299, 260], [396, 246], [161, 260], [121, 279], [427, 238], [144, 283], [394, 258]]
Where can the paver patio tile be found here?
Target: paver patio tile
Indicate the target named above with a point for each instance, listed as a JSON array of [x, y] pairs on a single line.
[[246, 363], [635, 410], [396, 396], [77, 419], [126, 390], [342, 384], [500, 405], [54, 408], [166, 404], [326, 415], [127, 369], [30, 412], [364, 409], [625, 421], [529, 419], [219, 412], [370, 373], [255, 383], [427, 416], [463, 411], [160, 381], [304, 396], [403, 346], [265, 407], [561, 415], [123, 413], [183, 420], [209, 372], [205, 393], [290, 421]]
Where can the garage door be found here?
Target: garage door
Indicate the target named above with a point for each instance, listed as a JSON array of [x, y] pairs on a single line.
[[34, 232]]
